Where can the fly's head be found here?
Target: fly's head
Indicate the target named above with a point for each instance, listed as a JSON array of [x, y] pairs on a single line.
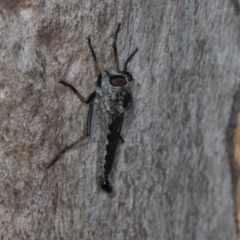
[[119, 84]]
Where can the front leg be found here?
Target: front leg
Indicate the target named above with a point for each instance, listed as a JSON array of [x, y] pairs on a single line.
[[115, 47], [74, 90], [90, 98]]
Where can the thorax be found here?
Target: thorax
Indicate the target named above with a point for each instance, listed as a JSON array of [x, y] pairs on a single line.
[[111, 99]]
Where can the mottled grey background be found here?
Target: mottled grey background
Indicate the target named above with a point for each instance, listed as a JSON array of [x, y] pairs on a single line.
[[172, 175]]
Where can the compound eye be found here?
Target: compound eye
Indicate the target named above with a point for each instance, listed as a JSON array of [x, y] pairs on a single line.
[[118, 81]]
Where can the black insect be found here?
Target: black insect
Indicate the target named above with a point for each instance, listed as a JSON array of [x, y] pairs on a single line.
[[114, 97]]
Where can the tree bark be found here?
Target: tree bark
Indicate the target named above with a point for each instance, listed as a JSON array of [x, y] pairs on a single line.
[[175, 176]]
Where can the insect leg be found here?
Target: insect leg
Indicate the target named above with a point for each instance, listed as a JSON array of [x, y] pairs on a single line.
[[89, 120], [99, 81], [128, 60], [74, 90], [63, 151], [115, 46], [90, 112], [78, 141], [89, 100]]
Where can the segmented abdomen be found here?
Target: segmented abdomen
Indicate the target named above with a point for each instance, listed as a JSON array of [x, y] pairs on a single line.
[[113, 136]]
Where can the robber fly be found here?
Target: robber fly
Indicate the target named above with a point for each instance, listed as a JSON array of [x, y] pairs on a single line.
[[113, 96]]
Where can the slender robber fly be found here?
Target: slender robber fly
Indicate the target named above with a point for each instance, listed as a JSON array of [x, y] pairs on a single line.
[[113, 96]]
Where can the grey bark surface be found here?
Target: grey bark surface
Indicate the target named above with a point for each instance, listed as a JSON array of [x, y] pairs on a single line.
[[172, 175]]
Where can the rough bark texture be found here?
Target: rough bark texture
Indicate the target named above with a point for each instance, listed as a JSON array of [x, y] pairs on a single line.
[[172, 175]]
